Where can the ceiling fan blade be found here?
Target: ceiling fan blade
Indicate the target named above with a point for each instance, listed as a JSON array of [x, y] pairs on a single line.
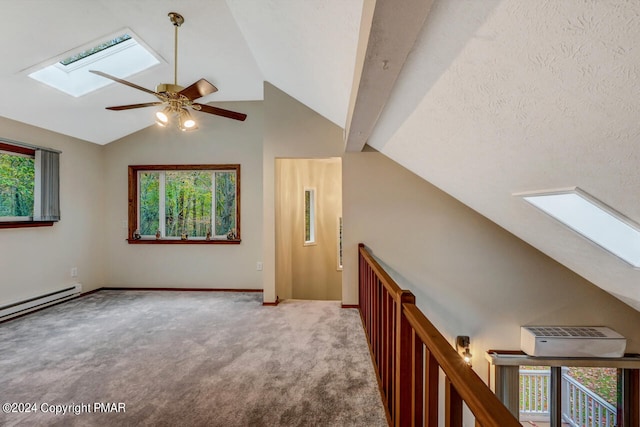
[[131, 106], [198, 89], [124, 82], [221, 112]]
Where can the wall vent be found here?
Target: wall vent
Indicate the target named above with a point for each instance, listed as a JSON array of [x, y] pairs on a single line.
[[571, 341]]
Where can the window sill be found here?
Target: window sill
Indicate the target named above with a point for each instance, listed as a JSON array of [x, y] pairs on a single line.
[[182, 242], [25, 224]]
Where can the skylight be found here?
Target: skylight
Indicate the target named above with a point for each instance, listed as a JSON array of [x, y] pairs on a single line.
[[120, 55], [95, 49], [592, 219]]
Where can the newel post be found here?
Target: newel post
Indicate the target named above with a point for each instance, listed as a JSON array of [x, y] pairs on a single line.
[[402, 387]]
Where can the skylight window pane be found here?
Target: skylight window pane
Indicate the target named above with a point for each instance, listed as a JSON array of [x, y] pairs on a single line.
[[120, 55], [593, 220], [95, 49]]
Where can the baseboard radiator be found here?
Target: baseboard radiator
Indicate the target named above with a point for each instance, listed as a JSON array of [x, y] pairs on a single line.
[[17, 308]]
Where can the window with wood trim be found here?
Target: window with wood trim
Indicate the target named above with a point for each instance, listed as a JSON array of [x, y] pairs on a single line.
[[29, 186], [171, 204]]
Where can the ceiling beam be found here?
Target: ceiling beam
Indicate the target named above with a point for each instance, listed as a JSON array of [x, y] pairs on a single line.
[[394, 29]]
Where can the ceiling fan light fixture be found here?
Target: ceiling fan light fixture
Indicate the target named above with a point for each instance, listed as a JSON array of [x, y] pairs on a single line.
[[162, 117], [185, 121], [173, 97]]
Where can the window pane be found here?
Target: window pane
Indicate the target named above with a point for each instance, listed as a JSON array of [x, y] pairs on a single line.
[[589, 395], [225, 203], [592, 396], [149, 203], [309, 216], [188, 203], [535, 396], [17, 177]]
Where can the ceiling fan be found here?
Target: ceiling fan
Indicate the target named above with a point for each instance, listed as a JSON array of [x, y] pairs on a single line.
[[177, 100]]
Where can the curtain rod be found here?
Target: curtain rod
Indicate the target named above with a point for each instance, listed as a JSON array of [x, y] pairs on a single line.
[[25, 145]]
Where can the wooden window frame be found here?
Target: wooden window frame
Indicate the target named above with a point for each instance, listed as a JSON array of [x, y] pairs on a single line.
[[133, 203], [23, 223]]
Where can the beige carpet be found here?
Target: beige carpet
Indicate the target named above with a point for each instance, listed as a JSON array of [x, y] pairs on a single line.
[[188, 358]]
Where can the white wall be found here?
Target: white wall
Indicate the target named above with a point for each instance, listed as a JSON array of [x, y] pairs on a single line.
[[34, 261], [469, 276], [291, 130], [219, 140]]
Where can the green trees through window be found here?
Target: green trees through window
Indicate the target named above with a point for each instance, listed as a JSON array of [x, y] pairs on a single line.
[[17, 178], [309, 216], [149, 203], [29, 185], [187, 203], [192, 203], [225, 202]]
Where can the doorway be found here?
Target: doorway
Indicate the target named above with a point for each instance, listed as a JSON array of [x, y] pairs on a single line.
[[308, 216]]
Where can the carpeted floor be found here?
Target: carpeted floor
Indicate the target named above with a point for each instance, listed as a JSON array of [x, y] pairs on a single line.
[[188, 358]]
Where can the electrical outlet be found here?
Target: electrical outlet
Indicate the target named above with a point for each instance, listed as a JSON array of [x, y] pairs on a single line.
[[259, 266], [74, 272]]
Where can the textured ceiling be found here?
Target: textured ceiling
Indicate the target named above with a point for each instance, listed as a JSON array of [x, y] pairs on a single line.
[[305, 48], [505, 96]]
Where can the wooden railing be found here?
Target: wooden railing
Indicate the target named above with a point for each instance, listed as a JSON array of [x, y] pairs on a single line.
[[409, 352]]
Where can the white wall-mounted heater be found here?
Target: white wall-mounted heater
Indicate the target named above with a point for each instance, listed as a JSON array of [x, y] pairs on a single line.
[[571, 341], [30, 304]]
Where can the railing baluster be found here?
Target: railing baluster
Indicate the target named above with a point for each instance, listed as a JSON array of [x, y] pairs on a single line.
[[581, 407], [367, 290], [574, 403], [533, 397], [522, 396], [417, 379], [378, 315], [381, 328], [432, 376], [372, 305], [388, 338], [367, 286], [409, 352], [383, 331], [379, 321], [393, 330], [404, 356], [452, 405]]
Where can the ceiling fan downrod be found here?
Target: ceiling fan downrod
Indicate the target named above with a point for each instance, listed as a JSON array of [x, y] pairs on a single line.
[[177, 20]]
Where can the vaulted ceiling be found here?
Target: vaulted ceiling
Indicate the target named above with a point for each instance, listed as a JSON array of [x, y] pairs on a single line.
[[496, 97], [499, 97], [306, 49]]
